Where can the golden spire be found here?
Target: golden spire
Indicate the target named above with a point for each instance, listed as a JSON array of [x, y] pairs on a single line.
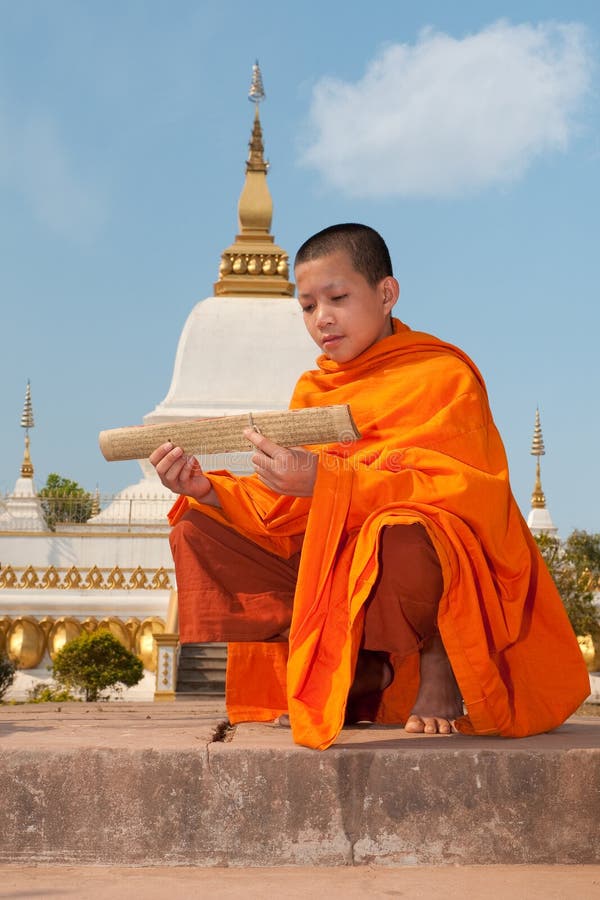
[[257, 92], [254, 266], [538, 500], [27, 423]]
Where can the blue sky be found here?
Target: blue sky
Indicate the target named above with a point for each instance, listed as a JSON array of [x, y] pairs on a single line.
[[466, 132]]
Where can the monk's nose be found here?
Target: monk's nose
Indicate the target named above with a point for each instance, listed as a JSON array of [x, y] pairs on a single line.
[[324, 318]]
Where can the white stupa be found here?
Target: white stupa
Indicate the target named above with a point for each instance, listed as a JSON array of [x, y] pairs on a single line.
[[539, 518], [241, 350], [22, 509]]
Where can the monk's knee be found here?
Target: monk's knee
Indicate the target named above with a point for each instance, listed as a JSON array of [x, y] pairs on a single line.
[[186, 531]]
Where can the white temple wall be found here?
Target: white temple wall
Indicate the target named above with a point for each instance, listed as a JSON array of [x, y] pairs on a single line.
[[40, 550], [123, 604]]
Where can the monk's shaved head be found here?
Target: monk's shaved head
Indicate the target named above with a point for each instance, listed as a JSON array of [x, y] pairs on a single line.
[[366, 248]]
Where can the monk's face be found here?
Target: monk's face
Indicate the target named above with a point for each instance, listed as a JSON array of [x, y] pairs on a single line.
[[344, 314]]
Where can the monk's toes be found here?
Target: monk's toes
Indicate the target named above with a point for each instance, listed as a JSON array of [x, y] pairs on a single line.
[[414, 725], [428, 725], [442, 726]]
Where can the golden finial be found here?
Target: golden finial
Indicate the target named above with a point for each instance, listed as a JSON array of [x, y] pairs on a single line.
[[27, 423], [27, 417], [256, 160], [538, 500], [537, 443], [254, 266], [256, 94]]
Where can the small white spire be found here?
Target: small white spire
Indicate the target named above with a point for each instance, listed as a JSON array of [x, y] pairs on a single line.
[[539, 519]]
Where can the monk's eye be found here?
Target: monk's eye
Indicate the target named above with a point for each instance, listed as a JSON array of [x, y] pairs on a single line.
[[339, 297], [308, 308]]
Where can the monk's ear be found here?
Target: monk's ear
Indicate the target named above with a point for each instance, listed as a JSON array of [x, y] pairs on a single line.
[[391, 292]]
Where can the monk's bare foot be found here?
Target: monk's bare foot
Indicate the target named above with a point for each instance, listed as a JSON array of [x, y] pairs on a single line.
[[373, 673], [438, 702]]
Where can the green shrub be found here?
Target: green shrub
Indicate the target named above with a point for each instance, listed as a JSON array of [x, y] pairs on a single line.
[[48, 693], [7, 674], [64, 501], [575, 567], [93, 663]]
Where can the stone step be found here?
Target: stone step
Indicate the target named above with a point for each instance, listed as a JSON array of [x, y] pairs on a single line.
[[208, 665], [213, 688], [209, 690], [203, 664], [210, 651], [207, 673], [143, 784]]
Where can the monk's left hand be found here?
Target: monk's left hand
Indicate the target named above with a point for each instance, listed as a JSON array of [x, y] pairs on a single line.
[[290, 471]]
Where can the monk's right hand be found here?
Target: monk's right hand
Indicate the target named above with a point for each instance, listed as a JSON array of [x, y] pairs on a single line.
[[180, 472]]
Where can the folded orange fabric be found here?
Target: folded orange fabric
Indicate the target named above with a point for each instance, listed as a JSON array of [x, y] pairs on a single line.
[[429, 453]]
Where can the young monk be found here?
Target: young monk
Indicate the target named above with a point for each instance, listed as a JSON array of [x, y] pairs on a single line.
[[391, 578]]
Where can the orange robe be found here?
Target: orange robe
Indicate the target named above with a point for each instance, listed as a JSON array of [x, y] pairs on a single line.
[[429, 452]]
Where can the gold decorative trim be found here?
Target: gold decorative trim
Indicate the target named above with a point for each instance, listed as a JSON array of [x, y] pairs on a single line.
[[254, 264], [74, 579]]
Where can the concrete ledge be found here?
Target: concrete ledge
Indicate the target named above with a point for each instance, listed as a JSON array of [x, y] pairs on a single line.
[[146, 784]]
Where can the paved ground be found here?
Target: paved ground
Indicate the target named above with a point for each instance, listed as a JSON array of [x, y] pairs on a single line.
[[190, 723], [451, 883]]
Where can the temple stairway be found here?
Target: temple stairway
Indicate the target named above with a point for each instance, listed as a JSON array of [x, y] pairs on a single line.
[[201, 670]]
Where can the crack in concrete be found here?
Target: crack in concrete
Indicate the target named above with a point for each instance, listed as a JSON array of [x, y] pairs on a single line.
[[223, 733]]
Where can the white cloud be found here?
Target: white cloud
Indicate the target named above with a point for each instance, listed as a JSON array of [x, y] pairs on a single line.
[[447, 115], [35, 164]]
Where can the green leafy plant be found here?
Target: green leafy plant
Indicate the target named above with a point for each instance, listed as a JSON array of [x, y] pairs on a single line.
[[7, 674], [93, 663], [64, 501], [48, 693], [575, 567]]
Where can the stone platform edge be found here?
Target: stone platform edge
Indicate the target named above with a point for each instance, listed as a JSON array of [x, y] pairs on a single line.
[[174, 786]]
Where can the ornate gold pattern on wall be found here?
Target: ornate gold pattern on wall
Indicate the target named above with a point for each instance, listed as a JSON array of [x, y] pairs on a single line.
[[73, 579], [25, 639]]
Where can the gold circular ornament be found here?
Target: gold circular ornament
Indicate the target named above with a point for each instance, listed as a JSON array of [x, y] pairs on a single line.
[[117, 629], [588, 651], [25, 642], [145, 646], [226, 267], [64, 630], [4, 626]]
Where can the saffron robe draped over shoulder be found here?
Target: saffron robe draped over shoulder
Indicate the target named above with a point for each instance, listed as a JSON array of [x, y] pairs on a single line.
[[430, 453]]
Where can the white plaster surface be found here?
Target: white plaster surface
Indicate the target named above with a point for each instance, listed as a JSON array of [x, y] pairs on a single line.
[[237, 354]]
